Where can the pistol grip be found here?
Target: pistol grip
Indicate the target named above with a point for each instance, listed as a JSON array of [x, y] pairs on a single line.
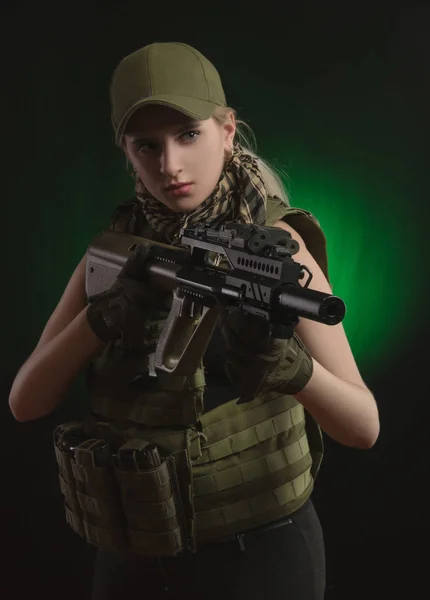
[[184, 337]]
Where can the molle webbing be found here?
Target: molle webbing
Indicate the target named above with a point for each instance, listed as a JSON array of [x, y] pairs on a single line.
[[254, 467], [171, 400], [250, 464], [138, 510], [241, 454]]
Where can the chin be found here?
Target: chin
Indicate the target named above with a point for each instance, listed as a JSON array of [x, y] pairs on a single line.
[[184, 204]]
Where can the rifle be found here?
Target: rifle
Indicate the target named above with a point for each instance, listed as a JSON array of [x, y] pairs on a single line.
[[243, 267]]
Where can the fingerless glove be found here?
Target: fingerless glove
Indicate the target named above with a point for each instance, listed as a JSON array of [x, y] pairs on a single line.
[[257, 363]]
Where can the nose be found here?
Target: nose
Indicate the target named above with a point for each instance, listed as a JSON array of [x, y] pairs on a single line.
[[170, 161]]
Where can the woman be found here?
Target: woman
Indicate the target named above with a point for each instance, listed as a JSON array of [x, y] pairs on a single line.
[[243, 473]]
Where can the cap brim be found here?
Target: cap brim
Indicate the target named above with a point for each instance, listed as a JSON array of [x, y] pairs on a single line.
[[192, 107]]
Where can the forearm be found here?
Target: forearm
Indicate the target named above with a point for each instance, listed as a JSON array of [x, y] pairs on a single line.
[[345, 411], [49, 372]]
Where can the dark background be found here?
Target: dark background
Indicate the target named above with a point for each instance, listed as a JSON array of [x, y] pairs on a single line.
[[342, 89]]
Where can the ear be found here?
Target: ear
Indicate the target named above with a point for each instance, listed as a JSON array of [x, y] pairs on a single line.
[[230, 130]]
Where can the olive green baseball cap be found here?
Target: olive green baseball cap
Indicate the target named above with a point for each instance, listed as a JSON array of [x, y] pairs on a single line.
[[168, 73]]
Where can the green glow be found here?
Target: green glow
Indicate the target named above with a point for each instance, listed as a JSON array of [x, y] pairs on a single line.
[[368, 265]]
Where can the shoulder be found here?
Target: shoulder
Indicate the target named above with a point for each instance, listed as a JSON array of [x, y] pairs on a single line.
[[305, 228], [294, 233], [305, 257]]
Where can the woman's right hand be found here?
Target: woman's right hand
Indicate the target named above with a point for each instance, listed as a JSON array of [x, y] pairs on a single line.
[[120, 312]]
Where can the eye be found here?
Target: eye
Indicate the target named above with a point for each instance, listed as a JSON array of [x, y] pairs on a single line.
[[145, 146], [190, 136]]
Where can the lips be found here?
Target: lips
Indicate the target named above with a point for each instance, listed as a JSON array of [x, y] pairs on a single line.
[[176, 186], [179, 190]]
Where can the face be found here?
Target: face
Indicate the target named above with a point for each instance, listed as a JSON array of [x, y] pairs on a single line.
[[166, 148]]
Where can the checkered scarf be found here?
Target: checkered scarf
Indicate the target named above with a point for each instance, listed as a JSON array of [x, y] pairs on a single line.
[[239, 196]]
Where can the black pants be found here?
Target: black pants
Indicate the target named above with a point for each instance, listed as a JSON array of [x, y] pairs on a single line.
[[287, 562]]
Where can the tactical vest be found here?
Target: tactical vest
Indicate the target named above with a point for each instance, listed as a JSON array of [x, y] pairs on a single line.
[[150, 472]]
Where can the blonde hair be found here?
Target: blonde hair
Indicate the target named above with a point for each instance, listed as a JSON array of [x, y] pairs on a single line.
[[245, 136]]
